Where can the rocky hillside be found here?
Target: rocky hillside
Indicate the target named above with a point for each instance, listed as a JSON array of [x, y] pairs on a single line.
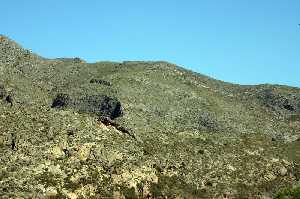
[[71, 129]]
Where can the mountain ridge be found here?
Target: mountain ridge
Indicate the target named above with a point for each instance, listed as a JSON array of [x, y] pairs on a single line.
[[140, 130]]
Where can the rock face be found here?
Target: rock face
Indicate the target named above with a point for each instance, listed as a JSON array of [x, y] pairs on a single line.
[[182, 134], [100, 105]]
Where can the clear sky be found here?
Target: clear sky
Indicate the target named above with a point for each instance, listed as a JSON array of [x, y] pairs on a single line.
[[240, 41]]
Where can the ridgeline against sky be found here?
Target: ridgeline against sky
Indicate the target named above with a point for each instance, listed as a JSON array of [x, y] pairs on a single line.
[[71, 129], [246, 42]]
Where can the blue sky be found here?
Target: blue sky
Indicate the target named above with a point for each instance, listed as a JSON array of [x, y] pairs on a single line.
[[239, 41]]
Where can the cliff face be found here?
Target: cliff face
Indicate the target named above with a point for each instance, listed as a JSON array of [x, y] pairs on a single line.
[[70, 129]]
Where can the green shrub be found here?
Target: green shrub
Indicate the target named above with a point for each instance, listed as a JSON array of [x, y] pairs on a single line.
[[288, 193]]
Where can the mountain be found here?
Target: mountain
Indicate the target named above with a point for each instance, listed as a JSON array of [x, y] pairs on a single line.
[[72, 129]]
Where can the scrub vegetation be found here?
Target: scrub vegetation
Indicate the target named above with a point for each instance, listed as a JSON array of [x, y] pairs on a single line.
[[71, 129]]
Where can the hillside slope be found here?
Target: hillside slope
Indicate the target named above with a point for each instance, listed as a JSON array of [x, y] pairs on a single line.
[[71, 129]]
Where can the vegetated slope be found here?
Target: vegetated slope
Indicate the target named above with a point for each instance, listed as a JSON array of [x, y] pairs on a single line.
[[140, 130]]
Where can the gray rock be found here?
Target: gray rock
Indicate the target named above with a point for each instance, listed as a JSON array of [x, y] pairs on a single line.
[[283, 171]]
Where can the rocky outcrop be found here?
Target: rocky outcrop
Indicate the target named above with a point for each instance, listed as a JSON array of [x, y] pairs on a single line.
[[278, 101], [9, 99], [108, 122], [61, 100], [100, 105]]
